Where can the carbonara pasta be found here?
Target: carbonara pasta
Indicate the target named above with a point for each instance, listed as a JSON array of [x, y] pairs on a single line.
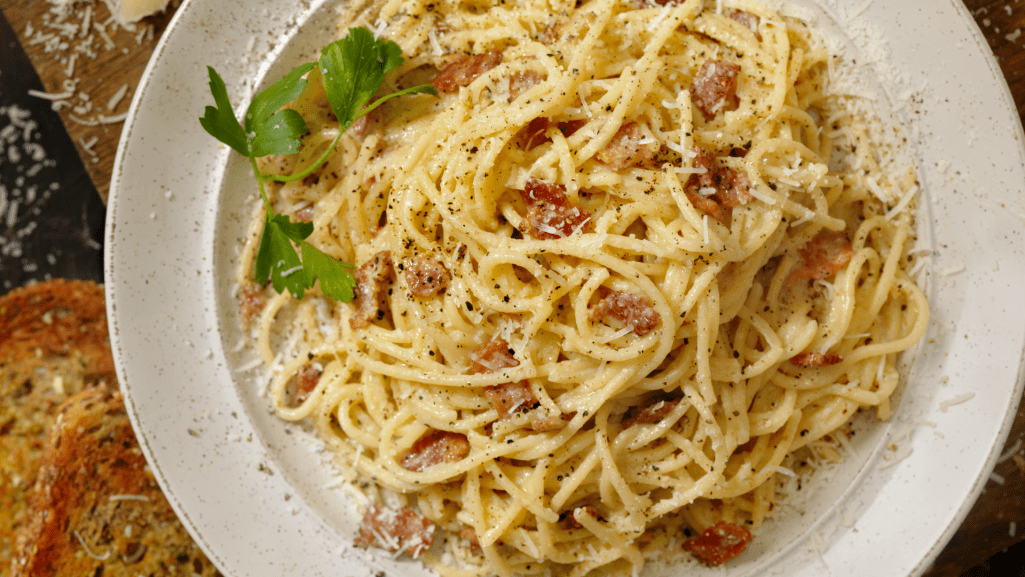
[[632, 258]]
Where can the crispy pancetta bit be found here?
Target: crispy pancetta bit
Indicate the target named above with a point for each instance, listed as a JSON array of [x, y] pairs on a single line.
[[652, 412], [824, 256], [522, 82], [816, 359], [370, 299], [509, 398], [425, 275], [717, 189], [251, 301], [464, 71], [434, 448], [628, 309], [551, 422], [625, 148], [719, 543], [305, 381], [495, 355], [534, 133], [715, 88], [492, 356], [551, 215], [749, 20], [404, 530]]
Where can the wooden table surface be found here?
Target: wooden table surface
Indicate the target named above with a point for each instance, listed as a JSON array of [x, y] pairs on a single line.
[[985, 532]]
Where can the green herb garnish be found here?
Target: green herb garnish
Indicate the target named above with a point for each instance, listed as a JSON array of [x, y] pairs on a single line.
[[352, 69]]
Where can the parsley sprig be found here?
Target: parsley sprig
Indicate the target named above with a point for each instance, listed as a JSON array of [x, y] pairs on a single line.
[[352, 69]]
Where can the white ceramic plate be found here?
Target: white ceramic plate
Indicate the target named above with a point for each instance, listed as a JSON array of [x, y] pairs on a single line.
[[254, 493]]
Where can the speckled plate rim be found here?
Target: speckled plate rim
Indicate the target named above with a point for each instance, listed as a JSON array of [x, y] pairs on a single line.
[[232, 478]]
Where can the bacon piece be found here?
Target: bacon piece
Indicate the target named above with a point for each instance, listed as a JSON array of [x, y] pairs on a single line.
[[816, 359], [511, 397], [251, 301], [467, 532], [734, 188], [522, 82], [551, 215], [706, 161], [434, 448], [551, 422], [533, 134], [630, 310], [719, 543], [824, 256], [425, 275], [369, 297], [305, 214], [550, 222], [551, 34], [492, 356], [715, 88], [570, 126], [625, 148], [495, 355], [464, 71], [707, 205], [717, 187], [403, 530], [359, 127], [537, 191], [651, 413], [305, 382], [749, 20]]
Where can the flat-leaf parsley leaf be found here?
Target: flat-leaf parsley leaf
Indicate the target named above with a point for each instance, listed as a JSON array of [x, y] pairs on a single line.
[[353, 70]]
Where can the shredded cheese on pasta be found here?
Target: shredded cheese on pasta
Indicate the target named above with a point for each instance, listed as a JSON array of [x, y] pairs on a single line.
[[674, 411]]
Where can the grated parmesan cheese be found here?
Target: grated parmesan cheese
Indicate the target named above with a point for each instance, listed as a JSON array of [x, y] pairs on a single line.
[[114, 100], [944, 405], [49, 96], [129, 498], [953, 270], [1010, 452], [904, 201], [88, 551]]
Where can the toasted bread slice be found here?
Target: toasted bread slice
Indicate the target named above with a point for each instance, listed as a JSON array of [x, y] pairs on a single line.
[[53, 343], [96, 508]]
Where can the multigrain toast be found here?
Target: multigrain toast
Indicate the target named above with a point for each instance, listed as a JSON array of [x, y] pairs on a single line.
[[78, 488], [96, 509], [53, 343]]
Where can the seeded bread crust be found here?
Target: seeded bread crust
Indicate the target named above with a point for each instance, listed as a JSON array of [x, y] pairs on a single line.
[[76, 495], [96, 508], [53, 343]]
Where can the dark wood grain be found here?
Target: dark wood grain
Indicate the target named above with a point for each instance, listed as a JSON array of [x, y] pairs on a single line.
[[100, 78], [1003, 24]]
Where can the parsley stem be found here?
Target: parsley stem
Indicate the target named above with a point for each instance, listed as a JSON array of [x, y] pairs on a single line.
[[259, 180], [366, 110], [313, 166]]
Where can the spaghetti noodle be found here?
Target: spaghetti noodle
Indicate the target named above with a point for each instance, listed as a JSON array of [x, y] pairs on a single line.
[[631, 259]]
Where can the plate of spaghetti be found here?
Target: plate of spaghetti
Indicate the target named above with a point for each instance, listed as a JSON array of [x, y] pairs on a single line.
[[632, 287]]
